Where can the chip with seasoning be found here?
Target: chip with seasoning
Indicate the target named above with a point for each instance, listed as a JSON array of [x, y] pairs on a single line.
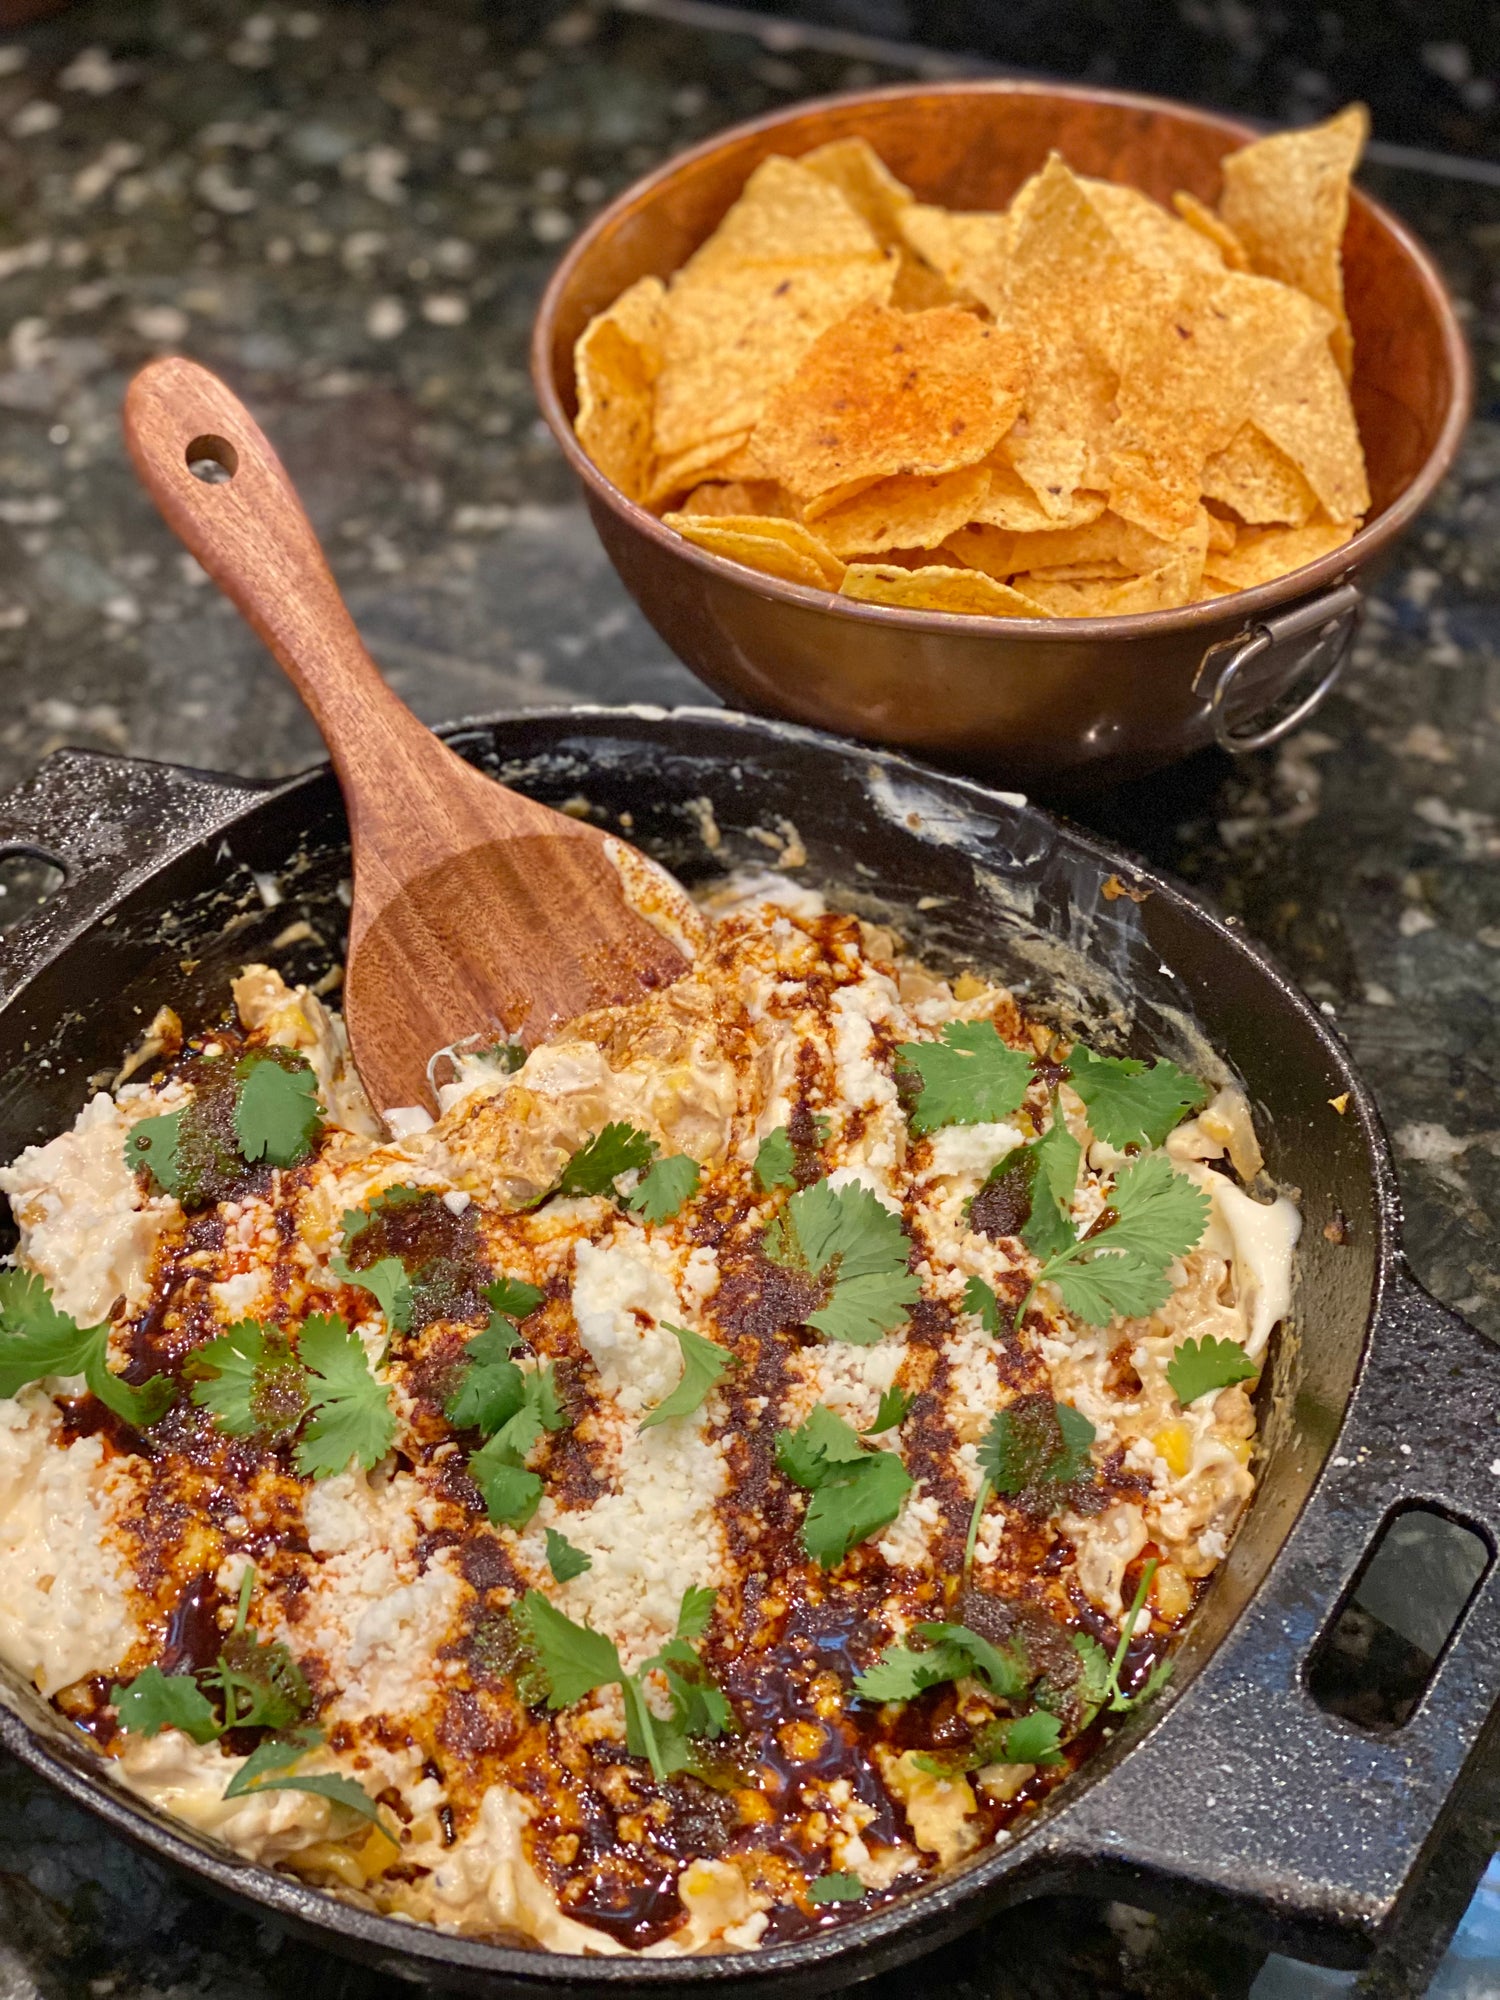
[[1086, 405]]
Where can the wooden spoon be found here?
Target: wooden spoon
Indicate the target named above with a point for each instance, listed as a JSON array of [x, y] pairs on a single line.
[[477, 913]]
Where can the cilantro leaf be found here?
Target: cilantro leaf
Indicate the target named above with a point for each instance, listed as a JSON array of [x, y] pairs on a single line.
[[851, 1240], [563, 1559], [152, 1143], [704, 1363], [901, 1673], [969, 1076], [695, 1611], [1057, 1156], [1034, 1442], [1002, 1669], [571, 1660], [665, 1186], [155, 1701], [979, 1298], [513, 1298], [894, 1404], [595, 1167], [852, 1504], [775, 1162], [1121, 1269], [855, 1491], [1033, 1739], [835, 1888], [491, 1387], [276, 1109], [387, 1283], [400, 1194], [254, 1384], [351, 1413], [262, 1685], [1201, 1366], [511, 1493], [262, 1772], [1106, 1692], [807, 1454], [1129, 1103], [37, 1340], [1093, 1679]]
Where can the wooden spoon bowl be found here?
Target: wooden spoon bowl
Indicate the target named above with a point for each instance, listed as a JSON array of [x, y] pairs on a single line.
[[477, 915]]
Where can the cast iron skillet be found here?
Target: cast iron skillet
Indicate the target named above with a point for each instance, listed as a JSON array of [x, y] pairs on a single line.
[[1237, 1791]]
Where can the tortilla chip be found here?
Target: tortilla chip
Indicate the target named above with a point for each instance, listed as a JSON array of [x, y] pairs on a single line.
[[1222, 534], [904, 513], [779, 548], [885, 393], [1259, 482], [1072, 291], [615, 364], [935, 588], [1108, 539], [1149, 233], [1189, 375], [730, 334], [786, 215], [969, 251], [725, 500], [1262, 554], [918, 288], [1304, 409], [1010, 502], [1214, 227], [691, 467], [866, 183], [1287, 200]]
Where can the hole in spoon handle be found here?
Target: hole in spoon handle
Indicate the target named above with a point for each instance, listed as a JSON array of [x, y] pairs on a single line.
[[226, 495]]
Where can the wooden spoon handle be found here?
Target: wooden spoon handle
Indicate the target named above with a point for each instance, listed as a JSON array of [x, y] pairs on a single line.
[[246, 526]]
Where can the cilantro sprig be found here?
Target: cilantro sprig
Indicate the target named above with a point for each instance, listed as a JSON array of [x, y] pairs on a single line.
[[567, 1661], [268, 1768], [1198, 1367], [890, 1412], [564, 1559], [512, 1493], [1034, 1447], [850, 1242], [259, 1685], [261, 1106], [665, 1187], [856, 1491], [616, 1149], [704, 1363], [1131, 1103], [838, 1887], [776, 1161], [951, 1652], [968, 1076], [1119, 1268], [38, 1340], [254, 1384]]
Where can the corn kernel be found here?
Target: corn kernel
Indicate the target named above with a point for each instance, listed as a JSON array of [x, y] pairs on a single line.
[[1174, 1443], [1171, 1593], [967, 987], [802, 1741], [1242, 1448]]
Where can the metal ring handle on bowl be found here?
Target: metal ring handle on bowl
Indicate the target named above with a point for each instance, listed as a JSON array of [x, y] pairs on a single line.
[[1330, 620], [105, 823], [1250, 1784]]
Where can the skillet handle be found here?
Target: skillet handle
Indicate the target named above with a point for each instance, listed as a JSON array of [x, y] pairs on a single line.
[[105, 823], [1312, 1829]]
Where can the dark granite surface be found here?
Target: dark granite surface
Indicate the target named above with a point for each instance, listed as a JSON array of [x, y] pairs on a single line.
[[349, 211]]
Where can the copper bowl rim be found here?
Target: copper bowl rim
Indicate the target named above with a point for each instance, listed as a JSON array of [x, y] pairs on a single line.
[[1249, 605]]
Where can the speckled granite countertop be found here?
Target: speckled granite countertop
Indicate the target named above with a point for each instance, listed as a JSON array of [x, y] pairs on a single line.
[[349, 211]]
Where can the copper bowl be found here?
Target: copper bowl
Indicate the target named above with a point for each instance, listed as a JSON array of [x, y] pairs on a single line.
[[1063, 702]]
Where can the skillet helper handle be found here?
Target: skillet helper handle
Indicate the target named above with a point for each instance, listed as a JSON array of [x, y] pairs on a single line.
[[104, 823], [1247, 1791], [1322, 630], [220, 487]]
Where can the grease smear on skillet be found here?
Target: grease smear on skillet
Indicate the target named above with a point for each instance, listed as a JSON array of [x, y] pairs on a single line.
[[660, 1507]]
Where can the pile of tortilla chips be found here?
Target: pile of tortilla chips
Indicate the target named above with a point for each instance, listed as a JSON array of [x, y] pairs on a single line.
[[1082, 407]]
